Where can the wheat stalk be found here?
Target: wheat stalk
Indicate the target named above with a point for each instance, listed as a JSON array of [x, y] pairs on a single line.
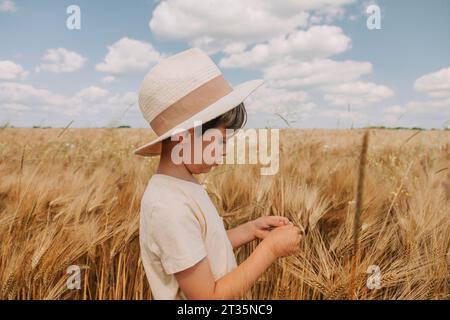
[[358, 208]]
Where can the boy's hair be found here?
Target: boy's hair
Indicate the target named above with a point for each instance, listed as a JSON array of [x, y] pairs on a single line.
[[235, 119]]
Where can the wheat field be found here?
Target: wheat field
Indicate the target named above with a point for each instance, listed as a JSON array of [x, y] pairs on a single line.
[[72, 197]]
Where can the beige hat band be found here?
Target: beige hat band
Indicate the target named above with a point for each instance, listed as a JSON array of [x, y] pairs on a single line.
[[191, 104]]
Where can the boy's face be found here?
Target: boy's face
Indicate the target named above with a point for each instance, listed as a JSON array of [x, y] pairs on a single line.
[[204, 166]]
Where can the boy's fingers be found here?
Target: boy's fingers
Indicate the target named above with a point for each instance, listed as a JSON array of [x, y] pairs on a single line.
[[272, 221], [278, 220], [262, 233]]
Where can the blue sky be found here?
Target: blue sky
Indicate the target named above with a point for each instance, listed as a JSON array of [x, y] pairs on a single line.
[[323, 67]]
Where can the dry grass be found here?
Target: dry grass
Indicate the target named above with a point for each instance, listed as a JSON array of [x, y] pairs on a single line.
[[72, 197]]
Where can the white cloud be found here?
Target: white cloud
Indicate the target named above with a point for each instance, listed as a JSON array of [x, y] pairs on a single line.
[[273, 37], [291, 106], [319, 72], [393, 114], [395, 109], [15, 107], [283, 41], [414, 113], [12, 92], [61, 60], [316, 42], [7, 6], [342, 115], [211, 45], [94, 100], [436, 84], [108, 79], [11, 71], [86, 102], [213, 24], [308, 5], [128, 55], [327, 15], [428, 106], [92, 94], [235, 47], [357, 94]]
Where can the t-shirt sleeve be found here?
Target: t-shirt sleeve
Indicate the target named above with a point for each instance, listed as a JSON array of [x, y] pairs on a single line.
[[178, 236]]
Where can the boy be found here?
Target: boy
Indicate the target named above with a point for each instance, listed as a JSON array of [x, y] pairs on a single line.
[[185, 249]]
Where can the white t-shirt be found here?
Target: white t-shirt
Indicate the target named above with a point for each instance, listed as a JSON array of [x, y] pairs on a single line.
[[179, 226]]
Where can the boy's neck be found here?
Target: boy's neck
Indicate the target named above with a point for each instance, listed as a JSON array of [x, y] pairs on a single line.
[[167, 167]]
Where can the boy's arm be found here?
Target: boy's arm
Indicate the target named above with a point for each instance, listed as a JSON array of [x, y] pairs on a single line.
[[242, 234], [198, 283], [254, 229]]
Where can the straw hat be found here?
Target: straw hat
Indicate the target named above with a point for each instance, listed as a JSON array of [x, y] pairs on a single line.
[[185, 88]]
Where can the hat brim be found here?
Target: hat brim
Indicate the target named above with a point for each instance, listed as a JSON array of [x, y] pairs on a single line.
[[224, 104]]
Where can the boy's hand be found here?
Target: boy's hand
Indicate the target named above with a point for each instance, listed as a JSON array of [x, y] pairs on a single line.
[[263, 225], [284, 241]]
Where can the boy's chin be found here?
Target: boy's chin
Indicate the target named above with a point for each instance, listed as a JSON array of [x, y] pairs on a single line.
[[207, 169], [203, 169]]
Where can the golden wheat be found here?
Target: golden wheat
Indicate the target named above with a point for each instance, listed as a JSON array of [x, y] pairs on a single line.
[[72, 197]]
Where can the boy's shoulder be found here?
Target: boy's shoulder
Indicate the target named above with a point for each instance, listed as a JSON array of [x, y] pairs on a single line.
[[158, 190], [169, 205], [163, 196]]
